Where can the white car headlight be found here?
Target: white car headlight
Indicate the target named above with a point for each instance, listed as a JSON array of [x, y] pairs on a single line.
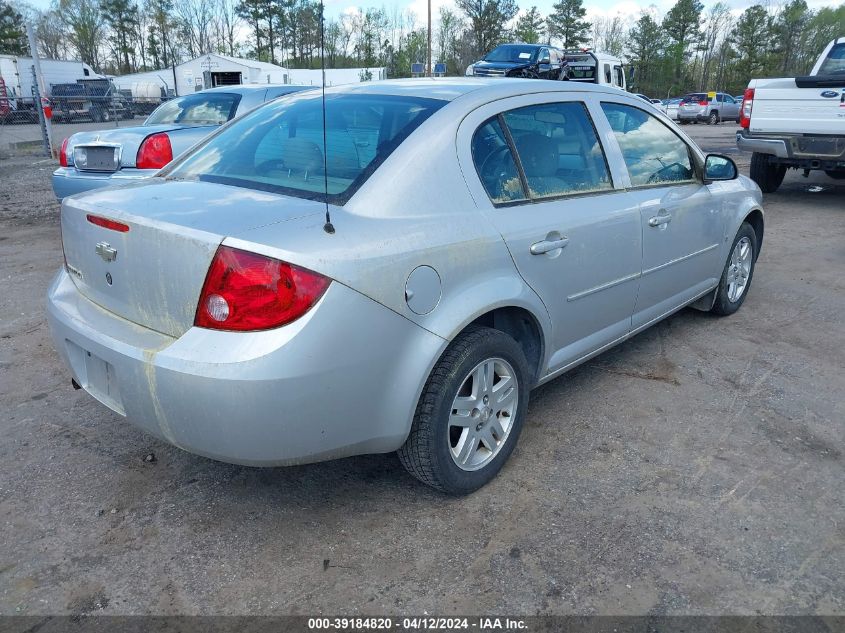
[[469, 71]]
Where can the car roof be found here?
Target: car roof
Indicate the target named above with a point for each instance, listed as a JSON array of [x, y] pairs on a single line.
[[250, 88], [481, 88]]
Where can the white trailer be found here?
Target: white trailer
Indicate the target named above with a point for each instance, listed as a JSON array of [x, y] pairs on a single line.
[[17, 74], [17, 85]]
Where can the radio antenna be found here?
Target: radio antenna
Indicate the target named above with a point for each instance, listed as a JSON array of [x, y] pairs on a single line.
[[328, 227]]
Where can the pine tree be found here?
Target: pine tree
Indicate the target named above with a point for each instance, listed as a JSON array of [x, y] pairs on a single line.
[[12, 31], [488, 20], [530, 27], [645, 43], [122, 18], [568, 24], [751, 37], [683, 26]]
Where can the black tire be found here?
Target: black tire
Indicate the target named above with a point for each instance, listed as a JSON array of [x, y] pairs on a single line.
[[836, 175], [767, 176], [426, 453], [723, 306], [713, 119]]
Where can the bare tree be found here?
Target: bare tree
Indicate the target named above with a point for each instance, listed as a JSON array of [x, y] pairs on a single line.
[[52, 35], [86, 28]]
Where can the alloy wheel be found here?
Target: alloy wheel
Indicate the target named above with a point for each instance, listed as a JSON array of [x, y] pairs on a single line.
[[739, 269], [483, 413]]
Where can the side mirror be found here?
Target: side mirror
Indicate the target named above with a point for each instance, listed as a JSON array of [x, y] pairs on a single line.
[[545, 59], [719, 167]]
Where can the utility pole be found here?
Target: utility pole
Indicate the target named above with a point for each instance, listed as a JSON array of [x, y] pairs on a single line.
[[46, 129], [429, 73]]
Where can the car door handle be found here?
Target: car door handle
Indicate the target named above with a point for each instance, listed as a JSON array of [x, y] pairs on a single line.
[[538, 248], [660, 219]]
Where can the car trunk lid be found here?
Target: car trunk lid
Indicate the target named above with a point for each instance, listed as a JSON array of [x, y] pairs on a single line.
[[110, 150], [152, 272]]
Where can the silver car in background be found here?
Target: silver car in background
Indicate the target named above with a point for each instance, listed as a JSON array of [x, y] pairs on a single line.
[[708, 107], [90, 160], [397, 281]]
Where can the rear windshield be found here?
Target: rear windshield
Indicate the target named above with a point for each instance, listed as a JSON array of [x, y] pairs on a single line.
[[696, 96], [834, 63], [512, 53], [212, 108], [279, 147]]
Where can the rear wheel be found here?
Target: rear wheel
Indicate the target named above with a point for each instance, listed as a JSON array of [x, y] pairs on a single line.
[[470, 412], [768, 176], [713, 119], [738, 271]]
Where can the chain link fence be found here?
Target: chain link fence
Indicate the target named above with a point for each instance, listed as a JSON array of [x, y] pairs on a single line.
[[71, 111]]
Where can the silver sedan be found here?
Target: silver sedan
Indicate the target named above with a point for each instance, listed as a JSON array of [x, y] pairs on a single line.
[[103, 158], [398, 280]]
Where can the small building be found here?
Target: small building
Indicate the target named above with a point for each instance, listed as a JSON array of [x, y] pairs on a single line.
[[209, 71], [335, 76]]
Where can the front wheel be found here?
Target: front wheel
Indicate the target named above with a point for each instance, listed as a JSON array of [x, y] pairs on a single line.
[[738, 271], [470, 412]]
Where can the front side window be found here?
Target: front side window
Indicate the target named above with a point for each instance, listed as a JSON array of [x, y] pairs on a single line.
[[653, 153], [620, 79], [557, 153], [212, 108], [280, 147]]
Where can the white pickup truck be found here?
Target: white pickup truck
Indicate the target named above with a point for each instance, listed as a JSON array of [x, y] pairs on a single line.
[[796, 123]]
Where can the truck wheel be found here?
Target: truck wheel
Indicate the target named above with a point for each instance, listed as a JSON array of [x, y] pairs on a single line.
[[713, 119], [470, 412], [836, 175], [739, 269], [767, 176]]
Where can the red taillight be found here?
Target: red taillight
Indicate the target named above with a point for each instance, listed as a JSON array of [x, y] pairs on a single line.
[[245, 291], [745, 108], [155, 152], [63, 153], [107, 224]]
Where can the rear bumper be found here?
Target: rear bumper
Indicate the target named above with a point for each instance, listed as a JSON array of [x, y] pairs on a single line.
[[342, 380], [773, 147], [697, 115], [68, 181], [799, 150]]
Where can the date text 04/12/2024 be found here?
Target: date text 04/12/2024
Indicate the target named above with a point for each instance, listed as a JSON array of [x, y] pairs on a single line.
[[422, 623]]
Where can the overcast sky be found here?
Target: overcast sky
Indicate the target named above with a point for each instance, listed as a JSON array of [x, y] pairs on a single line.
[[594, 8]]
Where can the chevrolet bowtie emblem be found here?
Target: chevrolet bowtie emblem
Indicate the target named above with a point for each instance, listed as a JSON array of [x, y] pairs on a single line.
[[105, 251]]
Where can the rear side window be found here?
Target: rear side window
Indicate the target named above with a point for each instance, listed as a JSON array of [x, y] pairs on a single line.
[[495, 163], [556, 149], [695, 96], [279, 147], [214, 108], [653, 153], [834, 63]]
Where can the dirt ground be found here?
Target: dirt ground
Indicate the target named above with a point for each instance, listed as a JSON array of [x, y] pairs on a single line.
[[696, 469]]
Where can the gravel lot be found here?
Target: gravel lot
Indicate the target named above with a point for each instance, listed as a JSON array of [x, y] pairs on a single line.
[[696, 469]]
